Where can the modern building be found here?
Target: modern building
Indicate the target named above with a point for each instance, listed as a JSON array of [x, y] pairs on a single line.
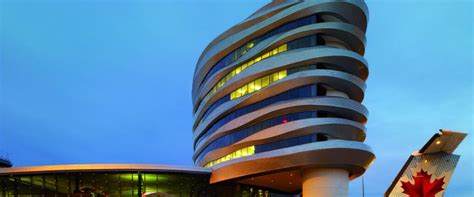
[[277, 110], [277, 99]]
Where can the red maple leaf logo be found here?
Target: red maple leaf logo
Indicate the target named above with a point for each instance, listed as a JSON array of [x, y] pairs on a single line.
[[422, 186]]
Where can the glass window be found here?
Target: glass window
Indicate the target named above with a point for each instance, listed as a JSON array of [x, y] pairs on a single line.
[[247, 151], [238, 93], [245, 132], [275, 51], [258, 84], [265, 81], [282, 74], [244, 152], [244, 66], [299, 92], [237, 70], [244, 90], [239, 52], [251, 86], [282, 48], [232, 74], [250, 63], [275, 77]]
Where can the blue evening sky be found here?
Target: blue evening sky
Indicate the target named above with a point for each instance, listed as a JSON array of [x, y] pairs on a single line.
[[109, 81]]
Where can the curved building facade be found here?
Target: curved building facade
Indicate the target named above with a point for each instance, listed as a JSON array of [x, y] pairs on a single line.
[[277, 98], [277, 112]]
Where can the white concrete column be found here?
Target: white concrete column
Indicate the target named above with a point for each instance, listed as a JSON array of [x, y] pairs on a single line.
[[325, 182]]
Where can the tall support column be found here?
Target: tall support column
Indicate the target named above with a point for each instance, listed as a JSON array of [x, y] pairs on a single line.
[[325, 182]]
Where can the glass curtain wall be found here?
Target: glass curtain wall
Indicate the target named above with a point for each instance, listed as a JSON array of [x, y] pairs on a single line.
[[107, 184]]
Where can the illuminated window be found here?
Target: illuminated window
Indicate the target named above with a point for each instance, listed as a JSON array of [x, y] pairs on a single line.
[[257, 84], [242, 50], [265, 81], [281, 74], [239, 69], [282, 48], [247, 151], [251, 87], [250, 45], [274, 77]]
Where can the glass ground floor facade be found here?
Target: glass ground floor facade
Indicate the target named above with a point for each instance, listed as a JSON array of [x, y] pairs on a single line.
[[123, 183]]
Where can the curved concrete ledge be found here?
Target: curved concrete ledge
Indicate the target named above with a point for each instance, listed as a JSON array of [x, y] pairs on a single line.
[[349, 84], [345, 107], [352, 11], [355, 157], [346, 61], [252, 20], [335, 127], [103, 168], [346, 32]]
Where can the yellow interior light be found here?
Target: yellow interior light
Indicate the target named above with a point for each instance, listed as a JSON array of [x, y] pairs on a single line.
[[251, 150], [238, 153], [258, 84], [247, 151], [244, 66], [275, 76], [265, 81], [237, 70], [250, 63], [275, 51], [244, 90], [282, 48], [251, 87], [282, 74]]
